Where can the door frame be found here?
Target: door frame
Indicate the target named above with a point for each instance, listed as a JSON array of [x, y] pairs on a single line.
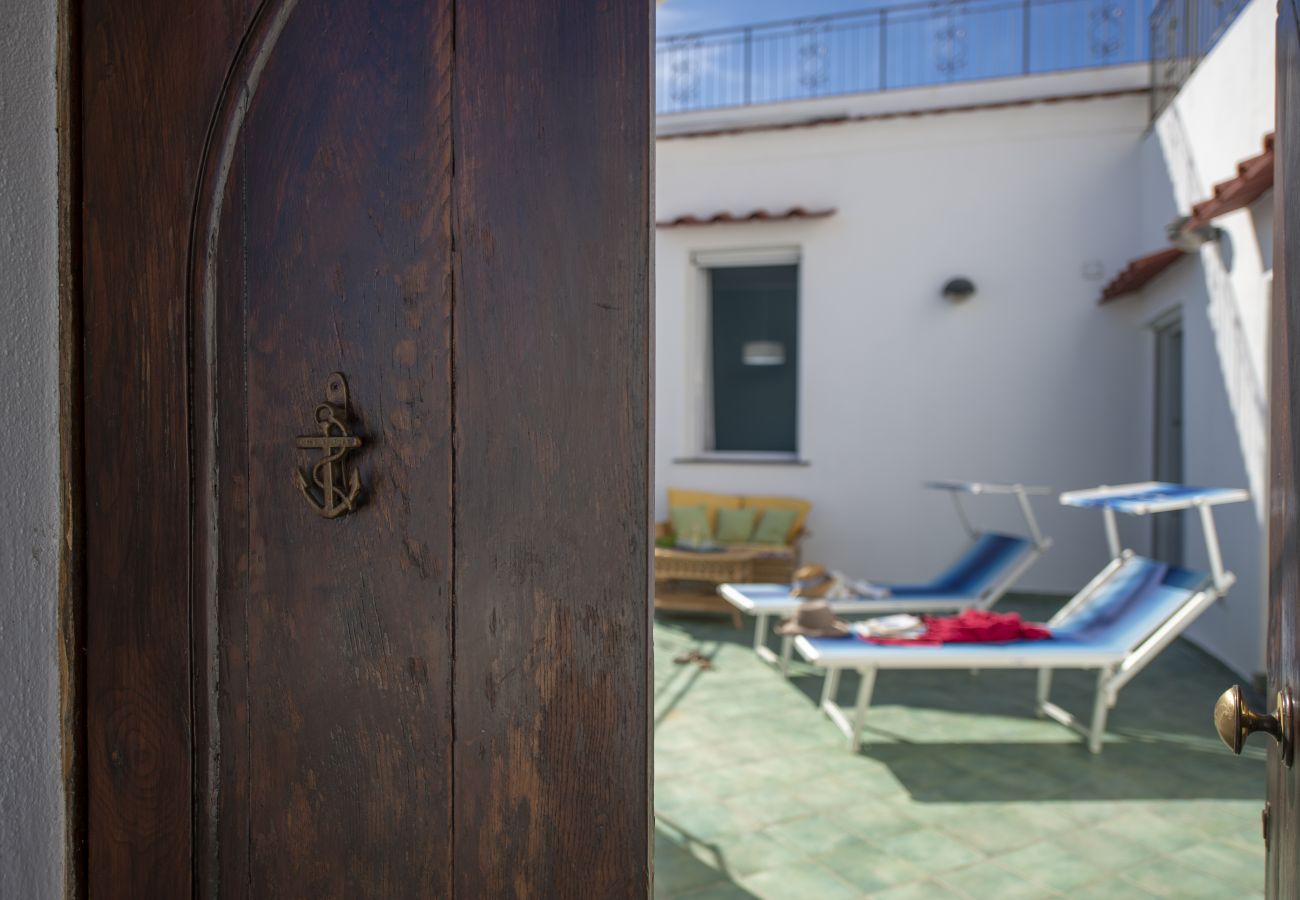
[[1161, 329], [1282, 844], [72, 488]]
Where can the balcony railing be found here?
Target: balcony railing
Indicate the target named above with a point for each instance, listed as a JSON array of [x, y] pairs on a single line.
[[1182, 33], [891, 47]]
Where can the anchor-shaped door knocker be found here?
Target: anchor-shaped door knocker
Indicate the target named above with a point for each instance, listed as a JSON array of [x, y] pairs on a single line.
[[333, 488]]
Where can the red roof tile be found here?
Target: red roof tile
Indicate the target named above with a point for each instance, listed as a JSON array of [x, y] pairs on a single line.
[[757, 215], [1254, 177], [1138, 272]]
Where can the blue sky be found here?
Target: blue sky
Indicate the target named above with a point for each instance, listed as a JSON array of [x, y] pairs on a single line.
[[677, 16]]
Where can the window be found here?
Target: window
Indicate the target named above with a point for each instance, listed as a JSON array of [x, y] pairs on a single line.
[[753, 364]]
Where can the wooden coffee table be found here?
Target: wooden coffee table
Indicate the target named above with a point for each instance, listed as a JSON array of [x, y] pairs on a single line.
[[687, 580]]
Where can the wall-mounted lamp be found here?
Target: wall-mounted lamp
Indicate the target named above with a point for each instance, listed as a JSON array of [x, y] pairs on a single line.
[[1190, 238], [958, 289], [763, 353]]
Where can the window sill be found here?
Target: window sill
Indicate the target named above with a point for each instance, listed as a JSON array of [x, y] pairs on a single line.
[[743, 459]]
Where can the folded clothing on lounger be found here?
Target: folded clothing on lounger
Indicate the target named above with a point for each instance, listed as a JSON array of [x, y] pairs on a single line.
[[973, 626]]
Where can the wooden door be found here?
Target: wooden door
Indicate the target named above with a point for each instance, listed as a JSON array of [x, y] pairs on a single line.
[[443, 689], [1282, 816]]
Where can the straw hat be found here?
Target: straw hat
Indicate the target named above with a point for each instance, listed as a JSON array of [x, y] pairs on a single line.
[[814, 619], [811, 581]]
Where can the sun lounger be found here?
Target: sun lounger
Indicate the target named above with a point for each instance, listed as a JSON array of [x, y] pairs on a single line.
[[989, 566], [1118, 623]]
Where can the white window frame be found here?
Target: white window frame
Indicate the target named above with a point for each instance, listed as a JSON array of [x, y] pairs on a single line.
[[698, 430]]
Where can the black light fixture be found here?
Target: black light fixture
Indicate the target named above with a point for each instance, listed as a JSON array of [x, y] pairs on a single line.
[[958, 289], [1189, 237]]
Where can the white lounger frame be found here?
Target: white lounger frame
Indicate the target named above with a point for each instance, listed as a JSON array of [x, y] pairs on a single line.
[[885, 606], [1113, 671]]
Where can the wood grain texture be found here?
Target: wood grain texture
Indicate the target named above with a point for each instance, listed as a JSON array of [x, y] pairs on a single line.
[[1283, 863], [446, 692], [149, 83], [332, 253], [553, 137]]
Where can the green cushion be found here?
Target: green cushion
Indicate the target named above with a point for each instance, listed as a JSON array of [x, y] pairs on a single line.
[[775, 526], [736, 525], [691, 523]]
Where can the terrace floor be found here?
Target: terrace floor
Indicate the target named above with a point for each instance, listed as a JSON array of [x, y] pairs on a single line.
[[958, 791]]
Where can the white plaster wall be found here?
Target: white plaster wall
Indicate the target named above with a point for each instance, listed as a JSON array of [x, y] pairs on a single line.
[[31, 805], [1028, 381], [1222, 112], [1218, 119]]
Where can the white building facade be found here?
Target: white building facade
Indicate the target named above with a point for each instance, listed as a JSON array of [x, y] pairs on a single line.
[[1037, 189]]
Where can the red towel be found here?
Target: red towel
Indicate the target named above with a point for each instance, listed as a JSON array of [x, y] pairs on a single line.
[[974, 626]]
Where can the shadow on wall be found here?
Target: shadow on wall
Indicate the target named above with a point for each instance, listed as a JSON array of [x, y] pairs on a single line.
[[1240, 363], [1243, 377], [1261, 220], [1224, 294]]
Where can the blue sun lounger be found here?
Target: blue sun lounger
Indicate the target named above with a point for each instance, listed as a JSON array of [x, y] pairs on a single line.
[[987, 569], [1118, 623]]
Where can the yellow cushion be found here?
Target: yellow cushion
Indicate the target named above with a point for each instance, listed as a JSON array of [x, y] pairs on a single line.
[[801, 508], [711, 502]]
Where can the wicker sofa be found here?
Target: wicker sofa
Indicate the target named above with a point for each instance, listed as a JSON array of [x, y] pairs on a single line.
[[774, 563]]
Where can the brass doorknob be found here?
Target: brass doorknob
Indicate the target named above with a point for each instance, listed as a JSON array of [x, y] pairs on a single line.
[[1235, 721]]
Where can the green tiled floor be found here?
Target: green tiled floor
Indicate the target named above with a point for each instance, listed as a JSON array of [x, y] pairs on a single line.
[[958, 791]]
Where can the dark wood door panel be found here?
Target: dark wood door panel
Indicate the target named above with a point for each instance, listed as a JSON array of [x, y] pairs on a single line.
[[552, 334], [444, 692], [334, 634]]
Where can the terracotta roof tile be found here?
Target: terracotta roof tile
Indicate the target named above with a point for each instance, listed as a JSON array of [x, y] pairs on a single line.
[[756, 215], [1138, 272], [1254, 177]]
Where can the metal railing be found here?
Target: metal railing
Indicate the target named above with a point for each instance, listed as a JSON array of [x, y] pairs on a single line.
[[883, 48], [1182, 33]]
